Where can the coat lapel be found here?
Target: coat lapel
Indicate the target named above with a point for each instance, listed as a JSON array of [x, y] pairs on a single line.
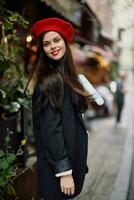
[[80, 118], [78, 113]]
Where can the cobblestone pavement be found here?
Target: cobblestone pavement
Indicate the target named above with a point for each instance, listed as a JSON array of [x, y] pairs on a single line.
[[109, 158], [106, 146]]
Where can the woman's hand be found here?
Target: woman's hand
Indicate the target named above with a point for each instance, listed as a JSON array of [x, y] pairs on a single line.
[[67, 185]]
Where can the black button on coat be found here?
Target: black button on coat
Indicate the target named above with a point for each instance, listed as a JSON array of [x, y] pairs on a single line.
[[61, 145]]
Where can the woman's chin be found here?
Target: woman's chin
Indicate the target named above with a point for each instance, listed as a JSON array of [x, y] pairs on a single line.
[[56, 57]]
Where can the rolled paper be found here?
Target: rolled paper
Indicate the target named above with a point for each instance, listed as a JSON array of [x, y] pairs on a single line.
[[90, 89]]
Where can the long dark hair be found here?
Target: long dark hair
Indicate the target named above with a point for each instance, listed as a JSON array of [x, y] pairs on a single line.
[[53, 76]]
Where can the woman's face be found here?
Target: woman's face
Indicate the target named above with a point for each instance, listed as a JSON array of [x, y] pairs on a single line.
[[54, 45]]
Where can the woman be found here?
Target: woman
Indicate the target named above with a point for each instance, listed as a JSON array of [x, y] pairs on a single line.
[[58, 101], [120, 95]]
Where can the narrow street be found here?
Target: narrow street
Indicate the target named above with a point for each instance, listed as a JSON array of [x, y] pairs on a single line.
[[109, 158]]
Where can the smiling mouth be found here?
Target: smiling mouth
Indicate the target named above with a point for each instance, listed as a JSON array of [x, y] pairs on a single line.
[[55, 53]]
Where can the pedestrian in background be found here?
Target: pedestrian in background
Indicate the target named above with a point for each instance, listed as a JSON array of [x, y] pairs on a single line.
[[58, 102], [120, 95]]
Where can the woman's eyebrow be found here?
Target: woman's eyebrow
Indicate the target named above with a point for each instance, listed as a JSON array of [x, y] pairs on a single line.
[[57, 37], [45, 41]]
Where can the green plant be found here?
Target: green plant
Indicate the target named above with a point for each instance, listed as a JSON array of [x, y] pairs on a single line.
[[8, 169], [12, 91], [12, 75]]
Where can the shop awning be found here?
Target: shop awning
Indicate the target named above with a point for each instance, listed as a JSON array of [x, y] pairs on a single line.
[[106, 39], [66, 8]]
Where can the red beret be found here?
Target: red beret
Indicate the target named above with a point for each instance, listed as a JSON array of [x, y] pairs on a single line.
[[53, 24]]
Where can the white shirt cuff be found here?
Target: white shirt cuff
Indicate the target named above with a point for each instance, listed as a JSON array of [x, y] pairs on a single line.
[[69, 172]]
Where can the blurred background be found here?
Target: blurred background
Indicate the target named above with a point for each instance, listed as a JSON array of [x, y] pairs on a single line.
[[103, 47]]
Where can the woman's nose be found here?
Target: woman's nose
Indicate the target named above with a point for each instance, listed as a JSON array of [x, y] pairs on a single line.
[[53, 45]]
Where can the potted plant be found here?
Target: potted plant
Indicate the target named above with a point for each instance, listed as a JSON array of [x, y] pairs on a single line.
[[12, 80], [12, 100]]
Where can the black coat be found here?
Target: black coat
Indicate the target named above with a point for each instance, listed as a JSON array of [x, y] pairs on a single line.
[[61, 144]]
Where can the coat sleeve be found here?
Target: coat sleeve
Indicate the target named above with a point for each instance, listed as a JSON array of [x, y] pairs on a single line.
[[52, 138]]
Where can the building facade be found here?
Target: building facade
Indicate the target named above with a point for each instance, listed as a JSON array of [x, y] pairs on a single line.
[[123, 32]]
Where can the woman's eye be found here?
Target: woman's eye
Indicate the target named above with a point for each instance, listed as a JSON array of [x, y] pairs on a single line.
[[57, 40], [46, 44]]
